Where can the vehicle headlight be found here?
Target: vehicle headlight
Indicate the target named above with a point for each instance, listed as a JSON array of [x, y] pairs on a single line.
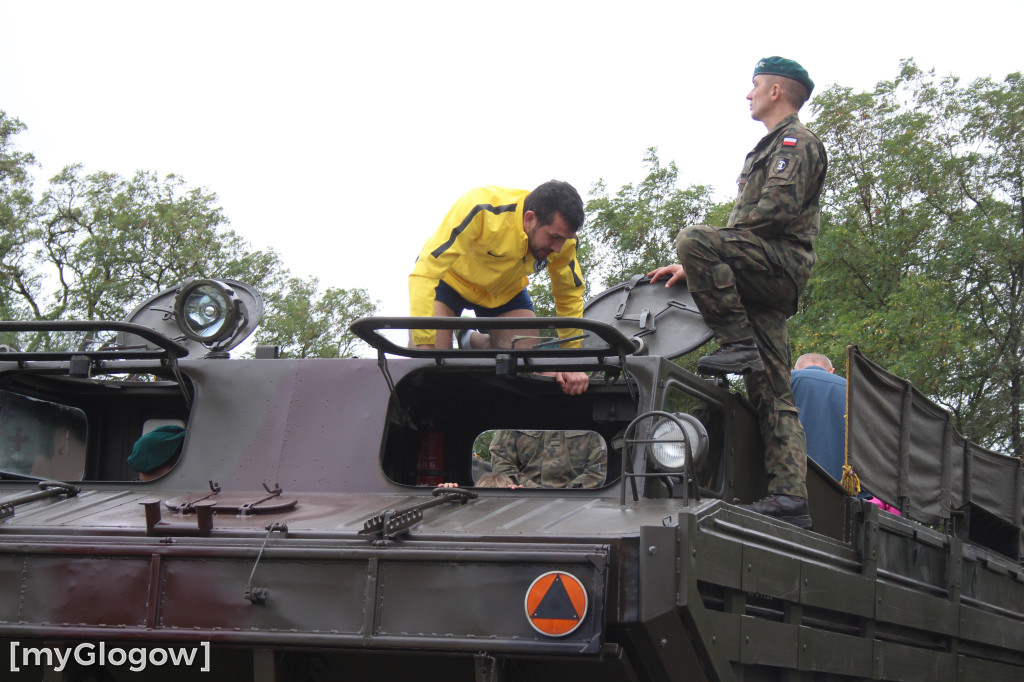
[[207, 311], [674, 437]]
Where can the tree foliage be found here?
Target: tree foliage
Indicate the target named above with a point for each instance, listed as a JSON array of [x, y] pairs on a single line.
[[93, 245], [634, 230], [103, 239], [313, 325], [921, 253], [16, 211]]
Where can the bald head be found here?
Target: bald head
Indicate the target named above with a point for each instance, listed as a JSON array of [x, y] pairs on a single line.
[[814, 360]]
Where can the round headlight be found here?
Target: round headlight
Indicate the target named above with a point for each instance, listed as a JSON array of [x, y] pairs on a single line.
[[206, 311], [673, 439]]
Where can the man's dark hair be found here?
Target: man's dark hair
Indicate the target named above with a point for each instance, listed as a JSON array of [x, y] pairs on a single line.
[[555, 196], [794, 92]]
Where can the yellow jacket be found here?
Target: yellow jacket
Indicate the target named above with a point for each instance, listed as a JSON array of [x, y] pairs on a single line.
[[482, 252]]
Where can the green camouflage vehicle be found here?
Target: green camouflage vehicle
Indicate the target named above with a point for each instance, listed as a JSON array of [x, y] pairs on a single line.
[[300, 533]]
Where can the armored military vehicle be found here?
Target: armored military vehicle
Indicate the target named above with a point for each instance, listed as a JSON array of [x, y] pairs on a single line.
[[301, 534]]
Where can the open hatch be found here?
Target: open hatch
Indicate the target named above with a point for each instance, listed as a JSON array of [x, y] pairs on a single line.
[[658, 320], [453, 421]]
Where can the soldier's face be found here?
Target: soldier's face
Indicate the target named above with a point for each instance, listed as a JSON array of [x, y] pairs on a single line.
[[545, 240], [760, 97]]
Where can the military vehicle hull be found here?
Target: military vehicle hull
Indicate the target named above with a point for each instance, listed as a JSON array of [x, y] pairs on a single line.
[[291, 541], [711, 594]]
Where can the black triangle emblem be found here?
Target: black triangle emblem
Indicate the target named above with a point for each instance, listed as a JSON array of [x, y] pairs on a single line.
[[556, 603]]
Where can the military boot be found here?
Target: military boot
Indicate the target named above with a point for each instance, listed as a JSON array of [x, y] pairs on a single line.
[[732, 358], [788, 508]]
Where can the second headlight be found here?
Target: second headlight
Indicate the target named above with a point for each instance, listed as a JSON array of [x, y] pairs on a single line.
[[674, 437]]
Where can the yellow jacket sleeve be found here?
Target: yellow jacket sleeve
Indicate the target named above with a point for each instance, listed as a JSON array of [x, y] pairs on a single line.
[[567, 287]]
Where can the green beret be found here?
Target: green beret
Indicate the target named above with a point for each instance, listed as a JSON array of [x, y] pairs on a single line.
[[780, 66], [156, 448]]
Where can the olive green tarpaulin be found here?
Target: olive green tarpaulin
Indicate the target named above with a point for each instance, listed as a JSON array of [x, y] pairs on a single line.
[[906, 452]]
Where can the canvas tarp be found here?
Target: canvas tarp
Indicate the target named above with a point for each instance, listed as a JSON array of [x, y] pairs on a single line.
[[906, 452]]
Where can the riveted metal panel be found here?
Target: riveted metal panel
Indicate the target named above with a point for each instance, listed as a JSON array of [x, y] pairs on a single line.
[[303, 596], [971, 669], [725, 637], [765, 642], [659, 585], [719, 560], [415, 600], [910, 664], [828, 588], [83, 590], [979, 626], [833, 652], [994, 581], [915, 609], [12, 572], [770, 573]]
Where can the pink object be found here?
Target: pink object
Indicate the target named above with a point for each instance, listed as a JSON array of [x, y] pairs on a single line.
[[885, 506]]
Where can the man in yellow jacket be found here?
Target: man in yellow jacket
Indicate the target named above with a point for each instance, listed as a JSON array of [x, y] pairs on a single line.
[[480, 258]]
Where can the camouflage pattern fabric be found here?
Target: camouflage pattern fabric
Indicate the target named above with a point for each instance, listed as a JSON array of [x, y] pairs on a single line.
[[550, 459], [747, 278]]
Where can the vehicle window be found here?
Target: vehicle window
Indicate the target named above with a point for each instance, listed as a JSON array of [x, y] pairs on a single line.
[[540, 459], [41, 439]]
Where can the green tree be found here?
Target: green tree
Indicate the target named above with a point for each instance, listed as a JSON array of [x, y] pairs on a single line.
[[17, 207], [634, 230], [107, 240], [103, 240], [921, 254], [95, 244], [307, 324]]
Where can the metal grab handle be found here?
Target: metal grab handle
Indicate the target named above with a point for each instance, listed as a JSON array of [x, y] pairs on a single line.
[[47, 489], [392, 522], [366, 328], [172, 348]]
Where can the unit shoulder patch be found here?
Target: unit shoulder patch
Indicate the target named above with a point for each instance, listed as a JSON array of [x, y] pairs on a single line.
[[783, 167]]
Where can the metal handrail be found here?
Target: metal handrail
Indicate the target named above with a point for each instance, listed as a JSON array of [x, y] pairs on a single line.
[[366, 328], [167, 346]]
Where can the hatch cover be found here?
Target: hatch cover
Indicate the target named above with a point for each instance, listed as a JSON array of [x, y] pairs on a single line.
[[233, 503], [666, 320]]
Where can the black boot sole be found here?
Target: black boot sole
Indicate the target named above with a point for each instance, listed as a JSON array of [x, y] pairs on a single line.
[[798, 521], [732, 368]]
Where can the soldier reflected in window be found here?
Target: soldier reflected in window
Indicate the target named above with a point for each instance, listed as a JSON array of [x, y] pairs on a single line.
[[550, 459]]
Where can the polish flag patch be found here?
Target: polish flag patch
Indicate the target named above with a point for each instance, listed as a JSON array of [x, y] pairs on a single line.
[[789, 142]]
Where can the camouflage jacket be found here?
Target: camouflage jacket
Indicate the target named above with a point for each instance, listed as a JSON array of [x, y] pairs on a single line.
[[550, 459], [779, 189]]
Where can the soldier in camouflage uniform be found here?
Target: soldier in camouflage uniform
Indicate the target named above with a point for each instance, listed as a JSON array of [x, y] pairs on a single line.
[[550, 459], [747, 277]]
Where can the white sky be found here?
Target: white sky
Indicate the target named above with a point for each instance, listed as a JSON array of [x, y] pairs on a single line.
[[339, 133]]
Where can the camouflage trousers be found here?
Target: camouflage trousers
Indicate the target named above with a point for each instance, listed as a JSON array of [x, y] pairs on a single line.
[[744, 290]]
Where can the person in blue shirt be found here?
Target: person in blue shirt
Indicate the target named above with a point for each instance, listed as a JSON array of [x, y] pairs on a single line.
[[821, 397]]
